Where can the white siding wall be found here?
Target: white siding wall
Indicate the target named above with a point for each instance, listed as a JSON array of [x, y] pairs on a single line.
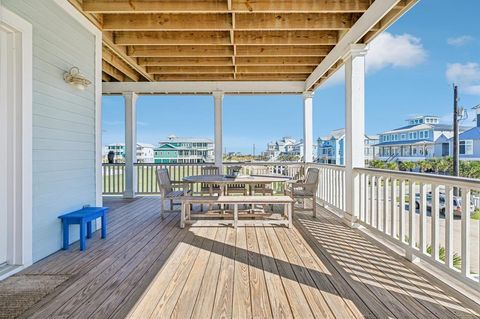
[[63, 120]]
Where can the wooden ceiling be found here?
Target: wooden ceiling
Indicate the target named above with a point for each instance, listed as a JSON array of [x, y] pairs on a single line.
[[222, 40]]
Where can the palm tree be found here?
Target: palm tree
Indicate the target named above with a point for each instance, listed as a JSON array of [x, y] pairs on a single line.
[[392, 166], [407, 166], [377, 164], [424, 166], [444, 165]]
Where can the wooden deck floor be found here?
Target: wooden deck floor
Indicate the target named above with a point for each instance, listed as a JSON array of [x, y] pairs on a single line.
[[149, 268]]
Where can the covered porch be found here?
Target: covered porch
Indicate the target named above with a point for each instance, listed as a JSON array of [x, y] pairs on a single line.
[[320, 268], [360, 257]]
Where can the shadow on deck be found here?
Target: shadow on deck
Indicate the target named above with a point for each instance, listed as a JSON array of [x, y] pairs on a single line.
[[149, 267]]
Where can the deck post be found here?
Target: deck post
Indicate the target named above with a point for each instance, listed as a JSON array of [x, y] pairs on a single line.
[[354, 128], [218, 102], [307, 127], [130, 143]]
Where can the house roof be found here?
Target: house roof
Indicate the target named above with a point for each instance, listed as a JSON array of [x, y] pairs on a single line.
[[471, 134], [175, 139], [232, 40], [436, 127]]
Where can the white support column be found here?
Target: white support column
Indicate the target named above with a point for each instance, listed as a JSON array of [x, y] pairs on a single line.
[[307, 127], [354, 151], [130, 143], [218, 100]]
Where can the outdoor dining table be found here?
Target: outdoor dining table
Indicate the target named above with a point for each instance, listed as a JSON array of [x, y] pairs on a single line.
[[224, 180]]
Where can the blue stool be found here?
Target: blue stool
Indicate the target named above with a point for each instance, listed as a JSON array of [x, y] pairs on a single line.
[[84, 218]]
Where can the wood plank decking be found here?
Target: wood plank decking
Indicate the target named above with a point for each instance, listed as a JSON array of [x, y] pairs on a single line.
[[150, 268]]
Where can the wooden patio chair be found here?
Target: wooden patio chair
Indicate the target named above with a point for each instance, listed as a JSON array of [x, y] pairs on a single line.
[[235, 188], [210, 189], [306, 189], [207, 188], [169, 190], [264, 189]]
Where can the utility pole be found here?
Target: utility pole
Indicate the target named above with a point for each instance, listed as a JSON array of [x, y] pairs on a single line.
[[253, 150], [456, 145]]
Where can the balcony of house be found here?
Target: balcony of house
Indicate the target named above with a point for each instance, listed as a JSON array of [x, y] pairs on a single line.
[[382, 244]]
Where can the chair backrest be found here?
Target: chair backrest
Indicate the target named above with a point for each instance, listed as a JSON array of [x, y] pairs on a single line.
[[163, 180], [210, 170], [312, 179]]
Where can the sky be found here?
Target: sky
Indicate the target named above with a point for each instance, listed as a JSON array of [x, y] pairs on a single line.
[[410, 71]]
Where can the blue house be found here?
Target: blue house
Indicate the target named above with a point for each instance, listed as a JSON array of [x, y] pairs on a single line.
[[469, 141], [424, 137]]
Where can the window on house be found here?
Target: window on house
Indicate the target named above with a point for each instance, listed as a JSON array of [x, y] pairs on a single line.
[[466, 147], [414, 135], [421, 134]]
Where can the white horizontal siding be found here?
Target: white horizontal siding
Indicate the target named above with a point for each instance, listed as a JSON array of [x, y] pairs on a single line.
[[63, 120]]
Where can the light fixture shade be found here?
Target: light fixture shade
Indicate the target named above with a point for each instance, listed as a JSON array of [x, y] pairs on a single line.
[[76, 79]]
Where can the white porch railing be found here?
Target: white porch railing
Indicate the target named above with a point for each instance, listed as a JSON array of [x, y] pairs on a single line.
[[331, 187], [418, 212], [114, 174]]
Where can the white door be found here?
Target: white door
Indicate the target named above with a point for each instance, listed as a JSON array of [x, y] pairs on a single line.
[[3, 146]]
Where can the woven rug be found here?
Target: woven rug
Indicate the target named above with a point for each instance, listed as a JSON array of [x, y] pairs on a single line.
[[20, 292]]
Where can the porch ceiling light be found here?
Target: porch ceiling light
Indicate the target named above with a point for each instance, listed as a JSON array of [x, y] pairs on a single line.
[[76, 79]]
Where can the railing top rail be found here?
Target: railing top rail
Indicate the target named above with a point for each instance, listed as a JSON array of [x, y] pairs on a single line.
[[432, 178], [334, 166], [210, 163]]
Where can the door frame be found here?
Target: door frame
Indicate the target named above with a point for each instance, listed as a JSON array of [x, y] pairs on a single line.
[[19, 217]]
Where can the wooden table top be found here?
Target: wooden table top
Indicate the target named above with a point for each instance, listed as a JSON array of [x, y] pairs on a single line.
[[223, 179]]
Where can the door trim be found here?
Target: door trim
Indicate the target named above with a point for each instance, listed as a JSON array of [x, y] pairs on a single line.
[[19, 250]]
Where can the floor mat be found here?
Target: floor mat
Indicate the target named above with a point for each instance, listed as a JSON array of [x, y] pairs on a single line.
[[20, 292]]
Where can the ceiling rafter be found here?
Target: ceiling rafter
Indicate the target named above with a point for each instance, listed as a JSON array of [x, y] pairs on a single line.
[[229, 40]]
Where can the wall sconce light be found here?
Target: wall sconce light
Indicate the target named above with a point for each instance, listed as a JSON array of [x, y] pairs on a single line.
[[76, 79]]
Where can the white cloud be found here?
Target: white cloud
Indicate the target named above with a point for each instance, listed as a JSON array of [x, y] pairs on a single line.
[[466, 76], [388, 50], [395, 50], [460, 41]]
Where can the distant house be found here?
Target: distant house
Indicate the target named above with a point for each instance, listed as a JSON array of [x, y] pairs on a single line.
[[469, 141], [286, 146], [330, 148], [144, 152], [184, 150], [424, 137]]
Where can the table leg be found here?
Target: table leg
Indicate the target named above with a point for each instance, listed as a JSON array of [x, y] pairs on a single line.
[[66, 234], [89, 229], [289, 215], [104, 226], [83, 241], [235, 215], [182, 215]]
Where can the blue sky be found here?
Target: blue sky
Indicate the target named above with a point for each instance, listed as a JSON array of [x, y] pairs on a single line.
[[411, 68]]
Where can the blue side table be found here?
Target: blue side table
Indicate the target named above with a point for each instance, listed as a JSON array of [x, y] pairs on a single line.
[[84, 218]]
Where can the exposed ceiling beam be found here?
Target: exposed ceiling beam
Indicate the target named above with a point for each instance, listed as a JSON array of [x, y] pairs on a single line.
[[148, 6], [122, 53], [205, 87], [295, 21], [271, 76], [189, 69], [305, 69], [167, 21], [194, 77], [172, 37], [299, 50], [180, 51], [112, 71], [286, 37], [119, 64], [301, 6], [278, 60], [177, 61]]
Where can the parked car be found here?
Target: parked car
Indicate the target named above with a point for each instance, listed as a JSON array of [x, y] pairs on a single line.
[[457, 204]]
